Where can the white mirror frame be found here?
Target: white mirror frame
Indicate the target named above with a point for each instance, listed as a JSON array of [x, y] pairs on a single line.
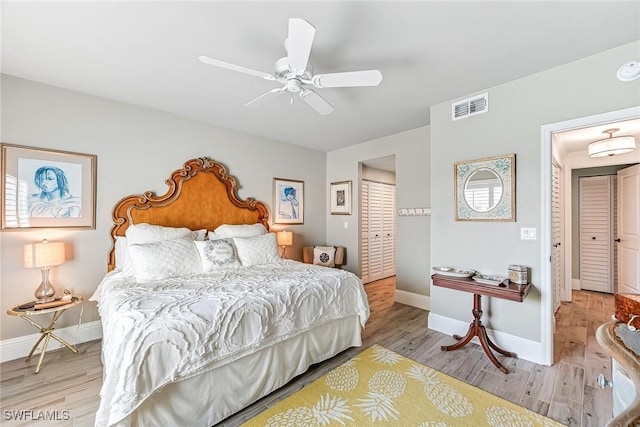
[[504, 167]]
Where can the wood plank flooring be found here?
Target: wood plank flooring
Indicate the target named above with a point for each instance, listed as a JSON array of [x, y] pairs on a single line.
[[565, 391]]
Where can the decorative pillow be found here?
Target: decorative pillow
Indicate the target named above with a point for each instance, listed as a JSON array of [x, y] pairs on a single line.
[[241, 230], [324, 255], [257, 250], [217, 254], [165, 259], [148, 233]]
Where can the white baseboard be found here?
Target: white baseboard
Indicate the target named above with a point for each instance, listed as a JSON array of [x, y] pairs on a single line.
[[412, 299], [575, 284], [524, 348], [19, 347]]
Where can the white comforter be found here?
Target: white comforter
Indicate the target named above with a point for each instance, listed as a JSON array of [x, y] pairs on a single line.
[[160, 332]]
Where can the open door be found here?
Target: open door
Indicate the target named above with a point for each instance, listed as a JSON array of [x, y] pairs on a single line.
[[628, 239]]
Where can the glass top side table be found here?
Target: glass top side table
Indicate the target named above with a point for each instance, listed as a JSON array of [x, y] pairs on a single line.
[[27, 310]]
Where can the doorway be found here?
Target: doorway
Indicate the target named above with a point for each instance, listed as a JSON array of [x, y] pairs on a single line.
[[570, 153]]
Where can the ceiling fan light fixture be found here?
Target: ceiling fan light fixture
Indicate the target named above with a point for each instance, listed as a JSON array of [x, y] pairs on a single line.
[[612, 145]]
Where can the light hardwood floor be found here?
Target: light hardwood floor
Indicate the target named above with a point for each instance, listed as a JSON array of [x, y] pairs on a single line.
[[565, 391]]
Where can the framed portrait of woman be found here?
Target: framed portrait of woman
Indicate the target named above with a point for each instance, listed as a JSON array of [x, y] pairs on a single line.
[[44, 188], [288, 201]]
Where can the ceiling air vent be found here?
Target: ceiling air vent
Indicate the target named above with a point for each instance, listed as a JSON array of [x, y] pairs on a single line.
[[470, 107]]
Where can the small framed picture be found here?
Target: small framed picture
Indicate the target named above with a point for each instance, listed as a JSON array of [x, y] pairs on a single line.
[[47, 189], [340, 198], [288, 201]]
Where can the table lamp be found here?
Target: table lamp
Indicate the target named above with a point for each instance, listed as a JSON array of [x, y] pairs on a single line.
[[285, 238], [44, 255]]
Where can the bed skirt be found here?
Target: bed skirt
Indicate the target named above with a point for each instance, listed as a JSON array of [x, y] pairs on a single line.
[[210, 397]]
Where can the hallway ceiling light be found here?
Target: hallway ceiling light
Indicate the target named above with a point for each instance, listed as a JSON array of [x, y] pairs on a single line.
[[629, 71], [612, 145]]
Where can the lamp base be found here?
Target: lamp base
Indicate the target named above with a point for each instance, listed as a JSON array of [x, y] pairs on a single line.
[[45, 292]]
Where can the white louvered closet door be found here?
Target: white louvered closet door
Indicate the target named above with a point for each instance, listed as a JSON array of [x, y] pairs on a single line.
[[364, 232], [388, 230], [596, 227], [378, 239], [556, 259]]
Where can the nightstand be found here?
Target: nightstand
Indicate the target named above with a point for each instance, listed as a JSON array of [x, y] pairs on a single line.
[[27, 310]]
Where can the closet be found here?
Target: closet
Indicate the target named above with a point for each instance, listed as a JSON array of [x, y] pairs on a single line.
[[378, 226], [597, 220]]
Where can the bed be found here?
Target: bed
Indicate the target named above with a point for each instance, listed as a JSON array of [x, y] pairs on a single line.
[[191, 339]]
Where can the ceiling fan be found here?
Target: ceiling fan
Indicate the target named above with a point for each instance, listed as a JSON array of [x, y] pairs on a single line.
[[296, 73]]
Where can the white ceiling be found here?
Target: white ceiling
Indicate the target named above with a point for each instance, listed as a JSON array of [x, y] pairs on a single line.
[[145, 53]]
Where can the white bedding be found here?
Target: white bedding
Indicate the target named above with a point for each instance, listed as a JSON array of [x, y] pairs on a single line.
[[161, 332]]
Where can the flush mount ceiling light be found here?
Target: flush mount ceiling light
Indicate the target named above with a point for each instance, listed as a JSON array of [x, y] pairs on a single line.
[[612, 145], [629, 71]]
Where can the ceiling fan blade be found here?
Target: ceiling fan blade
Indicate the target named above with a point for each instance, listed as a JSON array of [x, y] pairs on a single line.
[[316, 102], [348, 79], [260, 100], [228, 66], [299, 43]]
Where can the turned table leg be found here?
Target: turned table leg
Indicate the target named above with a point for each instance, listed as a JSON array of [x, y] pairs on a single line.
[[477, 329]]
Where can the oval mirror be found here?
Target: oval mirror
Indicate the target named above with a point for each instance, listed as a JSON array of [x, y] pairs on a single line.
[[483, 190]]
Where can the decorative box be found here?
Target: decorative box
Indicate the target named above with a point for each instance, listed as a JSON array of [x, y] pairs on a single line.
[[519, 274]]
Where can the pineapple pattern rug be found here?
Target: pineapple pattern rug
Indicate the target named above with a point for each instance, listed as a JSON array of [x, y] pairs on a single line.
[[381, 388]]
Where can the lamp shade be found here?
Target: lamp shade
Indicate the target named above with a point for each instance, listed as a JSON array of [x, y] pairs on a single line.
[[285, 238], [44, 254], [612, 145]]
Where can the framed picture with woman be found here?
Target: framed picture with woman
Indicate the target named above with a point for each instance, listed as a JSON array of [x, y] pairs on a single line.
[[44, 188], [288, 200]]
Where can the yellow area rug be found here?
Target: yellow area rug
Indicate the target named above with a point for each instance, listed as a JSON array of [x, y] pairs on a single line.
[[382, 388]]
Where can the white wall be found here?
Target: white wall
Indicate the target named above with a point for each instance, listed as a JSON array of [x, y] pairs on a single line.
[[137, 149], [517, 111], [411, 149]]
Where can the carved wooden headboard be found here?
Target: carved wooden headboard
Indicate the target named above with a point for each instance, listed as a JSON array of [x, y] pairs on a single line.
[[201, 195]]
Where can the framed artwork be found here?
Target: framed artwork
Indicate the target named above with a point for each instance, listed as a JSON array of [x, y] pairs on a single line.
[[340, 194], [47, 189], [288, 201], [485, 189]]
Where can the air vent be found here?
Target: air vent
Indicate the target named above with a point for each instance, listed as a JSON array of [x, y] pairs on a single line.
[[470, 107]]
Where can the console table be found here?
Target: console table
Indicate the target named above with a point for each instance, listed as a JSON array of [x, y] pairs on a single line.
[[506, 290]]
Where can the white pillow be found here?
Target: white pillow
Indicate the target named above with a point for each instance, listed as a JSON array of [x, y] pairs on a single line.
[[257, 250], [211, 235], [217, 254], [148, 233], [241, 230], [165, 259], [122, 252], [324, 255], [200, 234]]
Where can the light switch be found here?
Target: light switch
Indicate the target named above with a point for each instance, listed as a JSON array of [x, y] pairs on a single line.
[[528, 233], [346, 225]]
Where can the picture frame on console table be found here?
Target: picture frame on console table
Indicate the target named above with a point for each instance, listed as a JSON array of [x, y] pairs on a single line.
[[44, 188]]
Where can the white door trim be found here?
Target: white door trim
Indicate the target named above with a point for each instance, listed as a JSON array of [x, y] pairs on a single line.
[[545, 219]]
